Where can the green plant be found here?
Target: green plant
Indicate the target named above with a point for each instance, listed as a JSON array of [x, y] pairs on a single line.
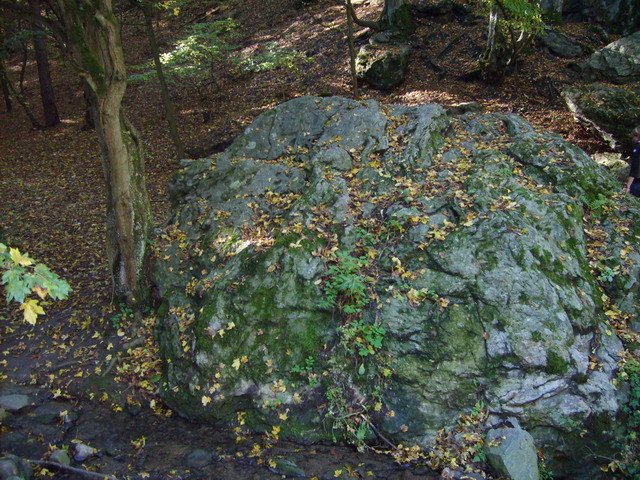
[[271, 57], [118, 318], [362, 338], [306, 371], [599, 205], [23, 277], [346, 285], [628, 461], [196, 54]]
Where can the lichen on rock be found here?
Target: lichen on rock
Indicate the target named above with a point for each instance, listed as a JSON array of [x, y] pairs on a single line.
[[346, 264]]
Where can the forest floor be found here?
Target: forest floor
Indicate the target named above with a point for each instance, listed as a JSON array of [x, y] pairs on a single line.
[[52, 205]]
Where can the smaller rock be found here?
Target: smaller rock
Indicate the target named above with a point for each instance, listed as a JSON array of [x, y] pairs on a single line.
[[614, 163], [199, 458], [82, 452], [12, 467], [511, 452], [8, 468], [465, 107], [61, 457], [560, 44], [383, 65], [618, 62], [15, 402], [635, 327], [448, 474]]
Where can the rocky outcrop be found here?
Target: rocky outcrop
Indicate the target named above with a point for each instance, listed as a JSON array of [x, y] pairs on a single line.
[[620, 16], [345, 264], [618, 62], [612, 112]]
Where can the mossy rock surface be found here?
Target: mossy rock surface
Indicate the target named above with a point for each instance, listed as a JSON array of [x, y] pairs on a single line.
[[613, 112], [473, 237], [383, 65]]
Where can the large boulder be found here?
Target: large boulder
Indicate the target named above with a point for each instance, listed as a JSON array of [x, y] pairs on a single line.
[[349, 262], [612, 112], [618, 62]]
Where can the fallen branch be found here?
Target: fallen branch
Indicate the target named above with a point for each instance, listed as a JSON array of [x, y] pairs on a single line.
[[78, 471], [60, 366], [377, 432]]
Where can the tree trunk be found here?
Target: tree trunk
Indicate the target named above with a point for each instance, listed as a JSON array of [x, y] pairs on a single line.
[[5, 80], [491, 61], [5, 90], [169, 109], [89, 107], [23, 66], [352, 49], [50, 109], [97, 50]]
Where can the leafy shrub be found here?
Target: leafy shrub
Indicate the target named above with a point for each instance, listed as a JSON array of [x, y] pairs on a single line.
[[345, 285], [22, 277], [196, 54], [271, 58]]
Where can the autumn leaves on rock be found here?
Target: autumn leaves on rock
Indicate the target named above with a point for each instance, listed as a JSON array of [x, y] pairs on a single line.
[[348, 270]]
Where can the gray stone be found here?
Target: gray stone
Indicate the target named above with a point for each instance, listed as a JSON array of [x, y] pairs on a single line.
[[618, 62], [15, 402], [12, 467], [560, 44], [383, 65], [8, 468], [60, 456], [512, 452], [199, 458], [82, 452], [612, 112], [500, 306], [289, 468]]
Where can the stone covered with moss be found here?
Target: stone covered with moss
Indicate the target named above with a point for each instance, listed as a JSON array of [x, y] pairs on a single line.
[[346, 264], [611, 111]]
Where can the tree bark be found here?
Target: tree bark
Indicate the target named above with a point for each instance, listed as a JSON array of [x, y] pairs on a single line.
[[169, 110], [352, 49], [4, 81], [51, 116], [96, 48], [5, 90]]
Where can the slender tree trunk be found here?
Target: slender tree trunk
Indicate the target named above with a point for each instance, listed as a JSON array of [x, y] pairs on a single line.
[[169, 109], [97, 51], [51, 116], [491, 60], [352, 48], [5, 80], [6, 94], [23, 66]]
